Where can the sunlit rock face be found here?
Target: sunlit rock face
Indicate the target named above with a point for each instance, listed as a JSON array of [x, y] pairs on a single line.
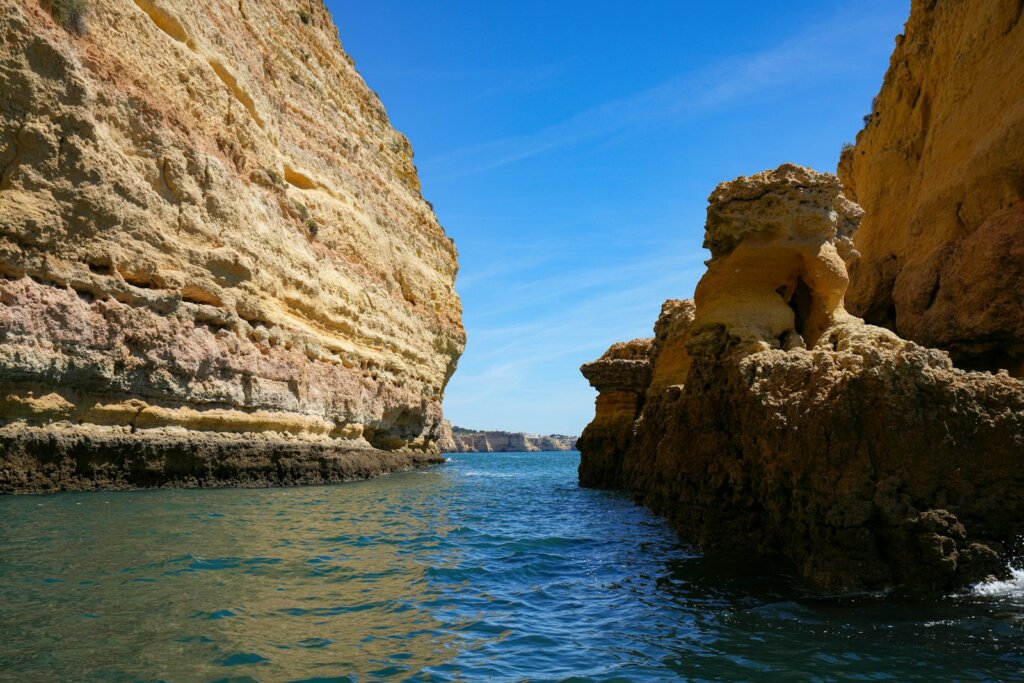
[[939, 170], [625, 377], [669, 354], [208, 227], [621, 376], [778, 243], [779, 424]]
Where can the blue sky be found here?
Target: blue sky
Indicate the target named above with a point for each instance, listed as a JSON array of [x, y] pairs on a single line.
[[569, 149]]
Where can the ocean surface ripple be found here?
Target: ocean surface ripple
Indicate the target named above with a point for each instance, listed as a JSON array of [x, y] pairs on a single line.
[[490, 567]]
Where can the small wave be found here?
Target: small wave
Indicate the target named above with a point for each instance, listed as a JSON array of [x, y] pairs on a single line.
[[1012, 587]]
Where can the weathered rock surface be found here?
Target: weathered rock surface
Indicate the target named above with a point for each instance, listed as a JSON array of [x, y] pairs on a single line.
[[460, 440], [779, 241], [208, 227], [939, 170], [789, 427], [56, 458]]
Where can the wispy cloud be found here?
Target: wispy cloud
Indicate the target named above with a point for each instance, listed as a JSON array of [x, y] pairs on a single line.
[[535, 311], [564, 329], [530, 257], [477, 85], [821, 50], [538, 292]]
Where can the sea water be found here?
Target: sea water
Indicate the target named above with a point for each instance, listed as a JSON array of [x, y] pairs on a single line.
[[490, 567]]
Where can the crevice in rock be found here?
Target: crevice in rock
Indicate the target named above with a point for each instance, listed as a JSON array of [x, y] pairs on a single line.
[[131, 422], [801, 302], [214, 326], [800, 298], [1008, 357], [1016, 20], [39, 280], [298, 179], [138, 280], [170, 25], [197, 295], [240, 94], [933, 292], [961, 221], [166, 22]]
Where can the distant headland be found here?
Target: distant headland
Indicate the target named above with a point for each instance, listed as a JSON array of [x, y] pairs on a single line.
[[460, 440]]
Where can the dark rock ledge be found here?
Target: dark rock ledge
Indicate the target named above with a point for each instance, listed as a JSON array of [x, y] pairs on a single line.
[[38, 460]]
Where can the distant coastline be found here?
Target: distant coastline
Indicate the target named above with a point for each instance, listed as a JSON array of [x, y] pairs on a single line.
[[460, 440]]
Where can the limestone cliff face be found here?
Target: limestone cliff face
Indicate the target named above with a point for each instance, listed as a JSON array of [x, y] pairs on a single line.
[[459, 440], [208, 226], [939, 171], [781, 424]]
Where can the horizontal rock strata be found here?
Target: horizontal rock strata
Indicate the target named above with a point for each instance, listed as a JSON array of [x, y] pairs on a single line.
[[208, 226], [780, 424]]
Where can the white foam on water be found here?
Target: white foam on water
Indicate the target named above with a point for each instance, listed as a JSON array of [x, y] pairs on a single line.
[[941, 622], [1011, 587], [488, 475]]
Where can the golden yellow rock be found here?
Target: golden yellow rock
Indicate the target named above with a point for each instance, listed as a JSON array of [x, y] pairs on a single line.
[[670, 359], [939, 171], [204, 208], [779, 241], [763, 418]]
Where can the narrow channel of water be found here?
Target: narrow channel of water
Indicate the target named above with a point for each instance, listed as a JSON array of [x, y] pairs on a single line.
[[491, 567]]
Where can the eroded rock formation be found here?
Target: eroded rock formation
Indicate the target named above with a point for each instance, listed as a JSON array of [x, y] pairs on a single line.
[[779, 242], [460, 440], [939, 171], [624, 377], [209, 228], [781, 424]]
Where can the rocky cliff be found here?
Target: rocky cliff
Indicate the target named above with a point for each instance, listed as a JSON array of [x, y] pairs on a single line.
[[939, 171], [210, 237], [762, 417], [460, 440]]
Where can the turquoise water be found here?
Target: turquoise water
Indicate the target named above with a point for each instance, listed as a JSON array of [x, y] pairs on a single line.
[[491, 567]]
